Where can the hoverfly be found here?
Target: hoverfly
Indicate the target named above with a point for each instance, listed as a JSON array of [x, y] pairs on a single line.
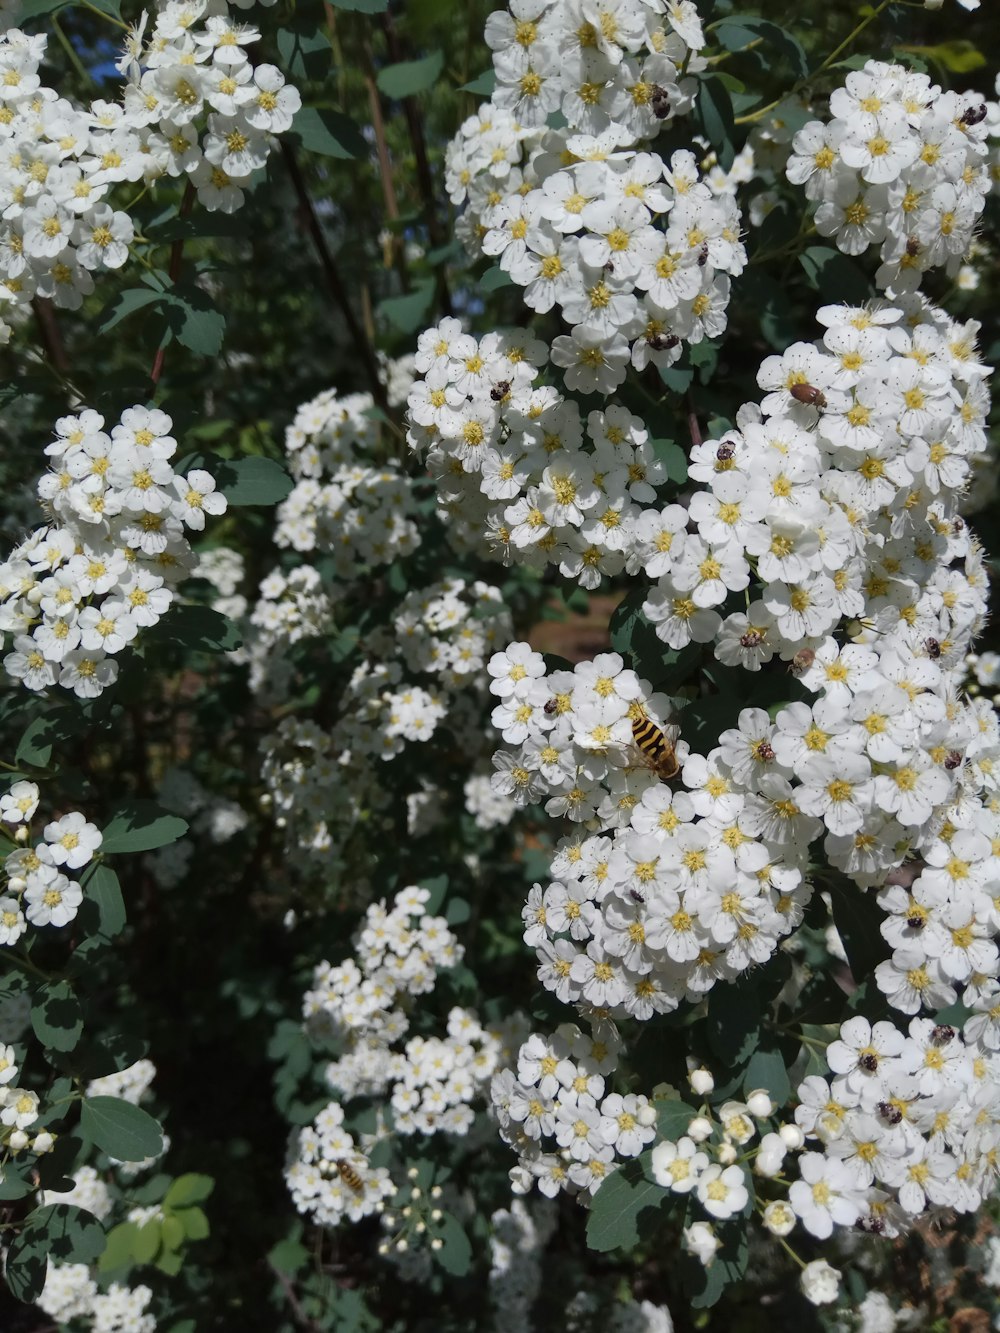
[[656, 746], [351, 1178]]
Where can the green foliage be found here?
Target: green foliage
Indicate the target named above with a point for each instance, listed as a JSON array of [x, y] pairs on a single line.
[[140, 826], [409, 77], [121, 1129], [612, 1223]]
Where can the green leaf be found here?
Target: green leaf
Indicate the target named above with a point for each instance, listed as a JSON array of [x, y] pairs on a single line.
[[104, 891], [407, 312], [170, 1263], [767, 1070], [363, 6], [714, 111], [706, 1285], [35, 746], [253, 481], [409, 77], [120, 1248], [733, 1021], [140, 826], [483, 84], [305, 51], [122, 1130], [329, 133], [26, 1266], [126, 303], [172, 1232], [188, 1189], [455, 1255], [858, 919], [195, 321], [437, 887], [616, 1205], [458, 912], [288, 1256], [737, 32], [147, 1241], [194, 1222], [493, 279], [673, 1118], [197, 628], [73, 1235], [56, 1016], [834, 275], [675, 459], [959, 56]]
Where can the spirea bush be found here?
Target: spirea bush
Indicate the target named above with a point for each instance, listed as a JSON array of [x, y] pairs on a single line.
[[501, 756]]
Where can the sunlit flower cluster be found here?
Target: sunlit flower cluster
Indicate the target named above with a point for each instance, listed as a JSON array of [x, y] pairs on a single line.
[[569, 1131], [192, 106], [106, 567], [901, 165], [518, 469], [599, 64]]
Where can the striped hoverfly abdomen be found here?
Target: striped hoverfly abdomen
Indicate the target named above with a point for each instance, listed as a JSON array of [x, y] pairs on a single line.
[[656, 748]]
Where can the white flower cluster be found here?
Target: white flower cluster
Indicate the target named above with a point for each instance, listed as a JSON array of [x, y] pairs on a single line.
[[518, 1236], [344, 504], [569, 1133], [89, 1192], [129, 1085], [598, 62], [420, 676], [512, 466], [192, 106], [81, 589], [329, 1177], [908, 1121], [37, 889], [223, 568], [637, 269], [71, 1294], [430, 1083], [690, 888], [901, 165]]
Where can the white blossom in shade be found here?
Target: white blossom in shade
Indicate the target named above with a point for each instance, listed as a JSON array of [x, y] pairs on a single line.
[[820, 1282]]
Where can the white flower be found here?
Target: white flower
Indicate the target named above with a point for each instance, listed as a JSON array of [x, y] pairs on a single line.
[[820, 1282]]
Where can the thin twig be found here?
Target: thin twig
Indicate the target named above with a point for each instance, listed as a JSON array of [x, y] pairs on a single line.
[[692, 419], [298, 1314], [174, 273], [48, 327], [332, 275], [385, 167], [425, 179]]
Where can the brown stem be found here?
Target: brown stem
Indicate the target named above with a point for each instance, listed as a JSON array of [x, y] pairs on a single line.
[[174, 272], [385, 167], [425, 179], [333, 279], [298, 1314], [48, 328], [692, 419]]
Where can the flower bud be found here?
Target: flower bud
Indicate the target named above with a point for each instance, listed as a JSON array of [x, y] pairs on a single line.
[[792, 1137], [727, 1154], [701, 1241], [759, 1104], [701, 1081], [771, 1155], [646, 1116], [779, 1218], [699, 1129], [18, 1141], [820, 1283]]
